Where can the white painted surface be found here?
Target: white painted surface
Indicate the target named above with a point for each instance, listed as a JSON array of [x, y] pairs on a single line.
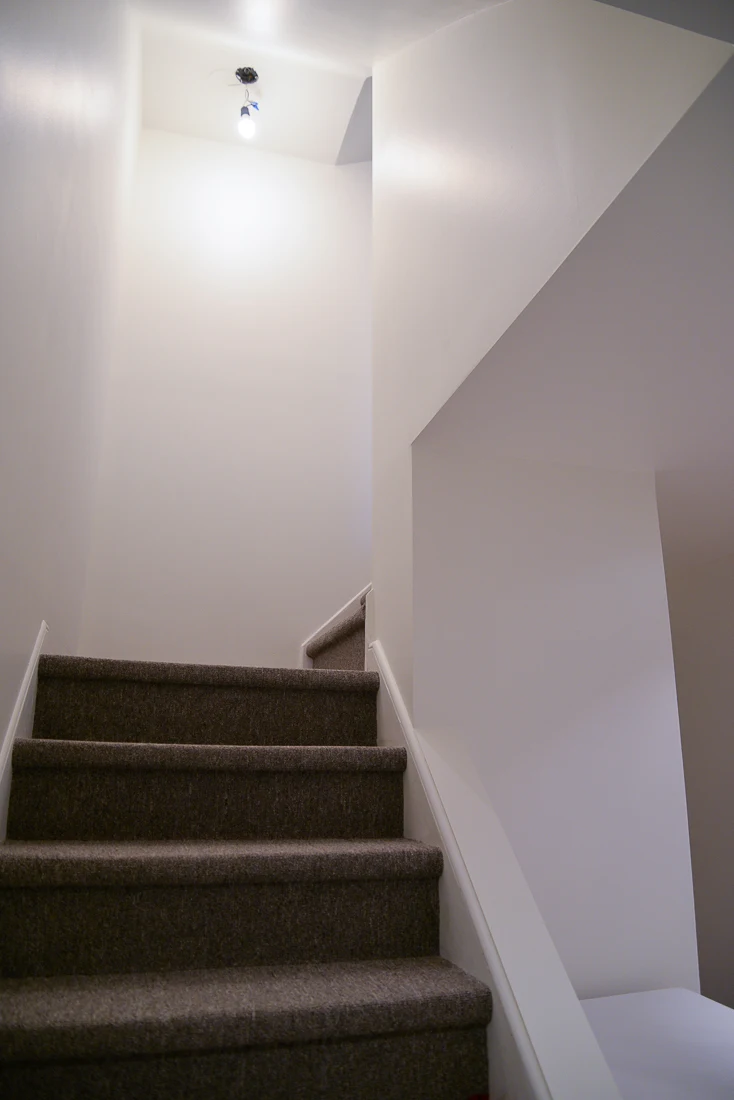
[[544, 678], [20, 725], [189, 87], [701, 595], [62, 76], [480, 193], [666, 1044], [544, 1047], [233, 506], [350, 32], [622, 360]]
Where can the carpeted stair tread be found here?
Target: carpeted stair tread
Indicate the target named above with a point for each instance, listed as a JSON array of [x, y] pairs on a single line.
[[206, 894], [91, 699], [41, 753], [146, 1014], [47, 864], [92, 792], [152, 672], [118, 908], [336, 633]]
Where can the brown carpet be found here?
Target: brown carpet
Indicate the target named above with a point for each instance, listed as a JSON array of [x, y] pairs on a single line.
[[342, 646], [205, 895]]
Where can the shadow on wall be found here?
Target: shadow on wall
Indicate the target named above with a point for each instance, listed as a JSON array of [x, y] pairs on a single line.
[[701, 595]]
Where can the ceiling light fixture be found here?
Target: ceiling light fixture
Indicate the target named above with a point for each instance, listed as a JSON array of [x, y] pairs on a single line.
[[247, 127]]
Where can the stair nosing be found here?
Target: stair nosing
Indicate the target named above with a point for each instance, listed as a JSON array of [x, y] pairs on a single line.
[[51, 753], [48, 1019], [223, 676], [50, 864]]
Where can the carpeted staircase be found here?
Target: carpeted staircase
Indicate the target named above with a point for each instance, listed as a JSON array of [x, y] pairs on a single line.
[[206, 896], [343, 644]]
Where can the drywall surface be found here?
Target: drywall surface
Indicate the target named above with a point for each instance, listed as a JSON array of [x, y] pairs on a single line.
[[622, 361], [62, 78], [233, 508], [712, 17], [485, 179], [701, 596], [544, 677]]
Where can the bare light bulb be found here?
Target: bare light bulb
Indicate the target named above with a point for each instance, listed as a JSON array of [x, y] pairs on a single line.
[[247, 124]]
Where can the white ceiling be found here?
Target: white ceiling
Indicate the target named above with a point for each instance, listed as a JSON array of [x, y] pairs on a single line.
[[189, 87], [313, 57], [351, 34]]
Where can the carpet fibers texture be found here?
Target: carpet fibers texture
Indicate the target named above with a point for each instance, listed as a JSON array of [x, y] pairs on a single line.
[[205, 895], [342, 646]]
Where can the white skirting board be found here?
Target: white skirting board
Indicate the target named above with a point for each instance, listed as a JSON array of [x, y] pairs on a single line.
[[20, 725], [540, 1042]]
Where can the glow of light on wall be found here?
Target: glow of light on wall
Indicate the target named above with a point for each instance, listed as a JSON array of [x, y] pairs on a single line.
[[50, 93], [440, 168], [413, 166], [263, 18]]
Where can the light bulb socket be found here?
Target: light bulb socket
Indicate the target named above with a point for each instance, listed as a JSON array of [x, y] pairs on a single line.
[[245, 112], [246, 75]]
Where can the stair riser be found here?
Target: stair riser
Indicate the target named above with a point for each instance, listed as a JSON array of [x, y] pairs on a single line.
[[442, 1065], [118, 710], [106, 804], [346, 653], [107, 930]]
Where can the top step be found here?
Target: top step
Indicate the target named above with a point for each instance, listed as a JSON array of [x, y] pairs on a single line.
[[90, 699]]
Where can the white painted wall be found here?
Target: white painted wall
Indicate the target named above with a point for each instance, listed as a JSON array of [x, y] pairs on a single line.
[[485, 179], [621, 362], [701, 594], [544, 678], [233, 509], [540, 1044], [63, 72]]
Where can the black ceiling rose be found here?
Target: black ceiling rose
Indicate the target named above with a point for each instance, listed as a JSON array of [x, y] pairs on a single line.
[[246, 76]]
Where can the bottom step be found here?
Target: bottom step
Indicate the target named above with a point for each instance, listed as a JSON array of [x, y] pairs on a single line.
[[389, 1029]]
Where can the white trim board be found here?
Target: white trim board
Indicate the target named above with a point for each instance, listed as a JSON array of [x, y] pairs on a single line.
[[557, 1054], [349, 608], [20, 724]]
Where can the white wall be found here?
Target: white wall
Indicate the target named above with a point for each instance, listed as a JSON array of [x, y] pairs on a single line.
[[701, 595], [621, 362], [62, 89], [485, 179], [233, 509], [544, 675], [539, 1040]]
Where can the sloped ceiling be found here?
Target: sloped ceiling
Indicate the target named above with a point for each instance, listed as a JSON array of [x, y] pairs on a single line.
[[352, 34]]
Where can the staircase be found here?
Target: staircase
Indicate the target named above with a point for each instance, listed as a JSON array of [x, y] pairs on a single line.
[[206, 896], [342, 645]]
